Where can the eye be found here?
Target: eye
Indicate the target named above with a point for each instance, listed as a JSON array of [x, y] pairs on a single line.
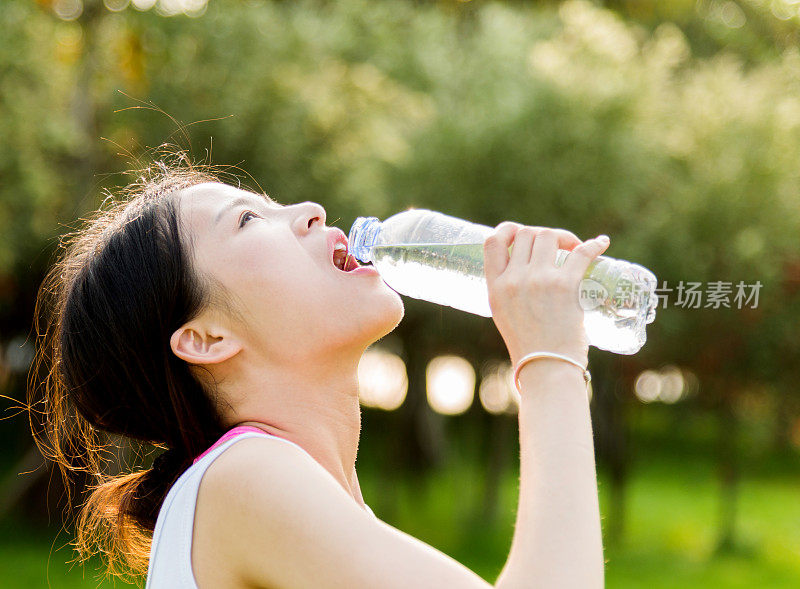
[[246, 216]]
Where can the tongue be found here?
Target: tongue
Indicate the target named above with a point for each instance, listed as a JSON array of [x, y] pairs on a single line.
[[351, 263]]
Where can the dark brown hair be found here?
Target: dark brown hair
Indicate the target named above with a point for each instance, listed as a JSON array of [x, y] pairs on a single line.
[[122, 285]]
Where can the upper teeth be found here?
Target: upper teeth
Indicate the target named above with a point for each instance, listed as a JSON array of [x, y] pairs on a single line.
[[339, 255]]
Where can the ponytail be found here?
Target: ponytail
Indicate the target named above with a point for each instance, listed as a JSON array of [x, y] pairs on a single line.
[[103, 321], [121, 512], [150, 491]]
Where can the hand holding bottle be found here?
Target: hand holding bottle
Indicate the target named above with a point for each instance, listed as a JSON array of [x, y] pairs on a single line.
[[557, 535], [435, 257], [534, 303]]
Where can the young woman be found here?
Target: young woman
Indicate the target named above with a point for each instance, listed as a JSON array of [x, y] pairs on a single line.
[[214, 322]]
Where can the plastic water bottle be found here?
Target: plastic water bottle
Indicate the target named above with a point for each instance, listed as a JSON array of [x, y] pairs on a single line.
[[438, 258]]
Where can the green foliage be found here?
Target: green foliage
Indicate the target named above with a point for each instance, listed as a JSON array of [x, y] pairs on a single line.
[[670, 543], [655, 122], [568, 117]]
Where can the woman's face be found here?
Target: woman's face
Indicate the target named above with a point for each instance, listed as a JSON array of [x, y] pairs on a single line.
[[275, 263]]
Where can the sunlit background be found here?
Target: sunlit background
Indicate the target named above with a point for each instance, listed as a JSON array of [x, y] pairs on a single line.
[[673, 126]]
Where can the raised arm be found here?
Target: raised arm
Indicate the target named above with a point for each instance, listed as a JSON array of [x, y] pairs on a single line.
[[282, 521], [557, 540]]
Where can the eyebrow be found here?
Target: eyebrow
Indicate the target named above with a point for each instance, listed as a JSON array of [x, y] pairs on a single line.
[[238, 201]]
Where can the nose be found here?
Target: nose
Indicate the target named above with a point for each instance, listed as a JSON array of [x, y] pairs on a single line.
[[308, 212]]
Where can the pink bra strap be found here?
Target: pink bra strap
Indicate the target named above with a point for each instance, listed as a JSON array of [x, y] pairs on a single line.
[[230, 434]]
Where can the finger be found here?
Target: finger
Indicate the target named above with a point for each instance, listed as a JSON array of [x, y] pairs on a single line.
[[567, 240], [495, 249], [544, 249], [582, 256], [523, 244]]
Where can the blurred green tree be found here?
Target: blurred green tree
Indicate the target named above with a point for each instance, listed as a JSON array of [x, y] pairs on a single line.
[[566, 114]]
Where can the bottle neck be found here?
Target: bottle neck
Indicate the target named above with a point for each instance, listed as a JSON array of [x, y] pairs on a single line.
[[363, 235]]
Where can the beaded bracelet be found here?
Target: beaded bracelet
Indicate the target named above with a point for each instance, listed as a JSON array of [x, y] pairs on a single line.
[[536, 355]]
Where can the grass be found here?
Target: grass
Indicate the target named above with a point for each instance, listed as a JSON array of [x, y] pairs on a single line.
[[33, 558], [669, 539]]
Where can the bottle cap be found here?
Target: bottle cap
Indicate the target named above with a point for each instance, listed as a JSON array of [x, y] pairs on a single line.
[[362, 237]]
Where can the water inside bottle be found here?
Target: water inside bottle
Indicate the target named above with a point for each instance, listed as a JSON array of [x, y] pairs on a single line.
[[452, 275], [447, 274]]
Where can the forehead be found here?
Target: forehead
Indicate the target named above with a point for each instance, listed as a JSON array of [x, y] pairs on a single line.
[[199, 204], [210, 195]]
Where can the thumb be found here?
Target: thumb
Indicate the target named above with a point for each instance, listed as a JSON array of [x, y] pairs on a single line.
[[581, 256]]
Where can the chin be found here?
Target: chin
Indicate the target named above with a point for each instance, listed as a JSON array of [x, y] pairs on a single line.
[[391, 314], [399, 312]]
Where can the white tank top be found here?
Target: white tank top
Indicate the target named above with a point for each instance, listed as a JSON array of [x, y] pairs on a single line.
[[170, 565]]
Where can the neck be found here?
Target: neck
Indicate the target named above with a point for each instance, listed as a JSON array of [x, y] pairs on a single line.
[[315, 405]]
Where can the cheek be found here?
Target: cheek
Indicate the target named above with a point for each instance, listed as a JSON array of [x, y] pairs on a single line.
[[285, 281]]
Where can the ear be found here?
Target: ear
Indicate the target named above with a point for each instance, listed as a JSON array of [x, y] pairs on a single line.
[[197, 344]]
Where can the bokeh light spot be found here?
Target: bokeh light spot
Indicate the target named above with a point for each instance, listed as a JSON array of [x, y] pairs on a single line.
[[450, 384], [382, 380]]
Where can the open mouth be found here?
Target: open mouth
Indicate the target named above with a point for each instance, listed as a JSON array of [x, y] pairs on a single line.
[[343, 260]]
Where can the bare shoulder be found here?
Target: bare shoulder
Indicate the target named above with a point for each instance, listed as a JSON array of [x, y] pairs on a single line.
[[264, 471], [255, 502], [249, 461], [240, 487], [276, 518]]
